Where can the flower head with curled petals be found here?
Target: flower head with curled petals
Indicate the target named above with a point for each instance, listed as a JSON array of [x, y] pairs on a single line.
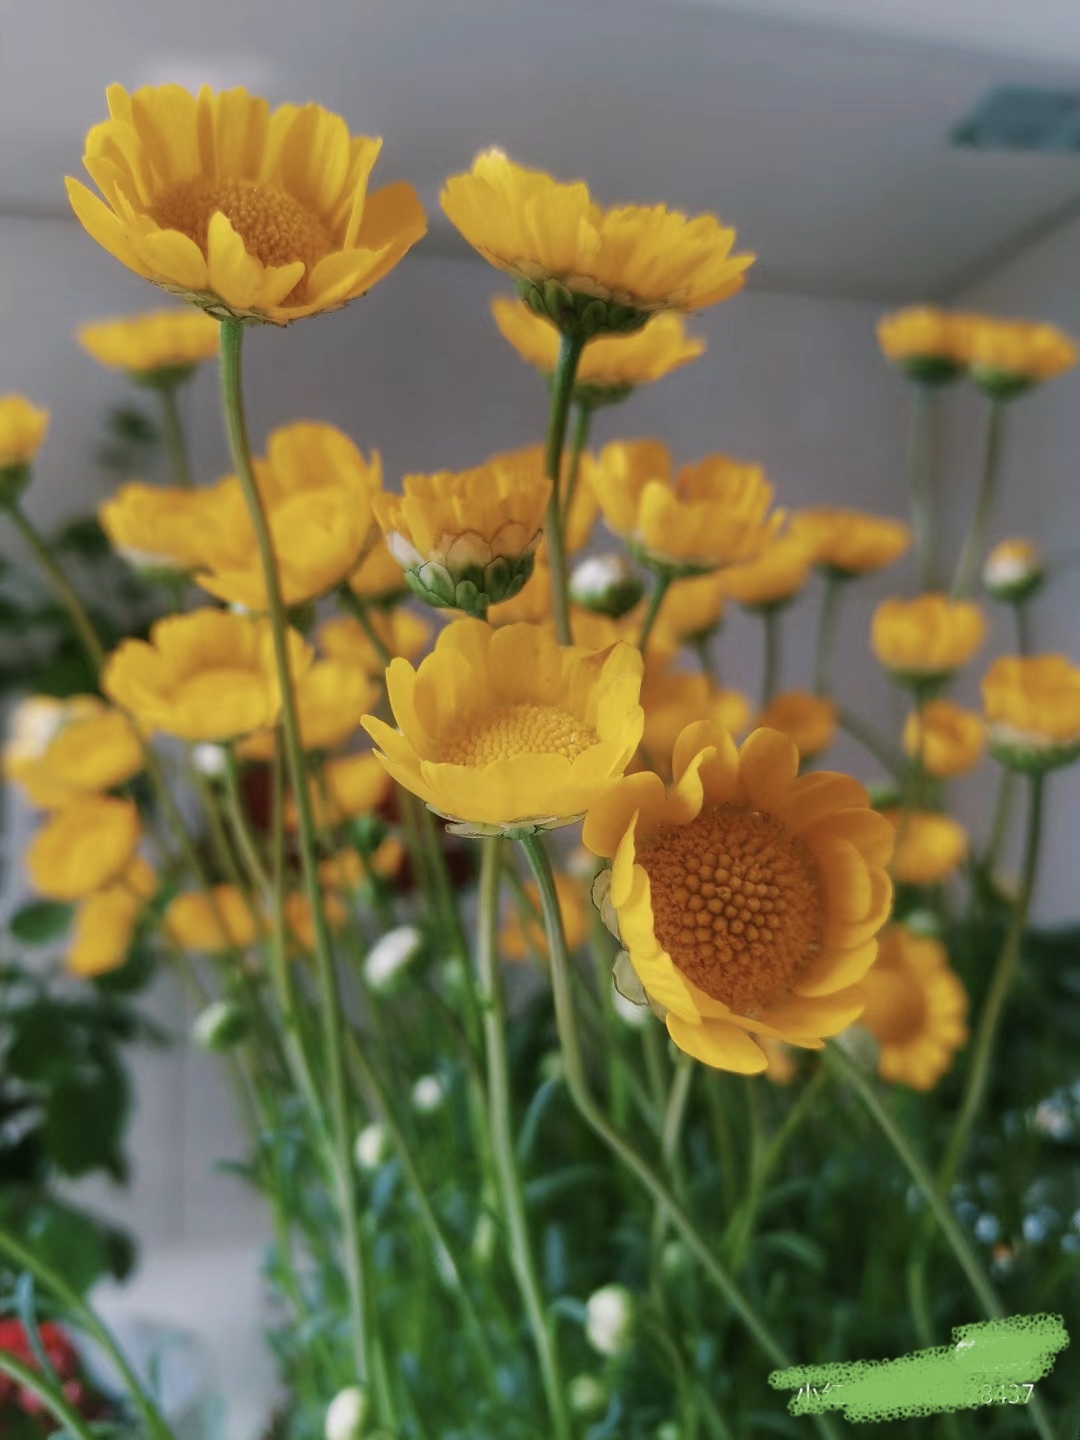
[[156, 346], [947, 739], [1032, 708], [748, 899], [924, 640], [847, 543]]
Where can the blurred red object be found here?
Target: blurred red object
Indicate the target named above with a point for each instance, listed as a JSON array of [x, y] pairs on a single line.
[[63, 1358]]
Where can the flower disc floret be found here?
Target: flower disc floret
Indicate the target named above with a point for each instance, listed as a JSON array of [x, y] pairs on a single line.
[[157, 345]]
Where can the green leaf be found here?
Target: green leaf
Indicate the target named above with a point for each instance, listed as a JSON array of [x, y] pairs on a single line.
[[41, 921], [85, 1116], [797, 1246], [83, 537]]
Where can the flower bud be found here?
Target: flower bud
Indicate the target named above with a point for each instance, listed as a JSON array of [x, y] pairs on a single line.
[[1013, 571], [390, 956], [220, 1026], [669, 1430], [371, 1147], [346, 1413], [551, 1066], [588, 1396], [428, 1094], [606, 584], [209, 759], [609, 1319]]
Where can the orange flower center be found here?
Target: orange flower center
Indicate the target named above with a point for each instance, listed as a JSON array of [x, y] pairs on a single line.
[[273, 225], [895, 1007], [735, 903], [517, 730]]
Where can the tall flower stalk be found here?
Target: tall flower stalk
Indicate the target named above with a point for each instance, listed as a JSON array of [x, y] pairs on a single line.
[[562, 393]]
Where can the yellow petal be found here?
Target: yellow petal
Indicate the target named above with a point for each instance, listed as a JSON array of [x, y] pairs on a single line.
[[723, 1046]]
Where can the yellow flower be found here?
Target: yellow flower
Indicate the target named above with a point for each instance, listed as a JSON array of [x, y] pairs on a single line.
[[850, 542], [505, 729], [83, 847], [242, 211], [929, 846], [952, 739], [352, 785], [105, 921], [156, 341], [1007, 357], [774, 578], [747, 898], [930, 344], [532, 604], [580, 518], [347, 871], [916, 1008], [809, 720], [712, 513], [518, 938], [400, 631], [1014, 570], [611, 365], [596, 632], [585, 268], [378, 578], [926, 638], [331, 698], [1032, 707], [466, 539], [22, 431], [157, 527], [317, 489], [672, 699], [693, 607], [206, 675], [63, 749], [301, 922], [210, 923]]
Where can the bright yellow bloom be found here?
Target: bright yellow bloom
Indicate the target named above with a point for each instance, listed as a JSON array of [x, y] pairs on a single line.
[[331, 699], [566, 252], [928, 637], [1014, 570], [158, 527], [210, 923], [63, 749], [809, 720], [774, 578], [532, 604], [505, 729], [353, 785], [22, 430], [156, 340], [378, 578], [929, 846], [83, 847], [317, 489], [712, 513], [1032, 707], [929, 343], [596, 632], [672, 699], [519, 938], [206, 675], [105, 921], [747, 898], [1009, 356], [347, 870], [916, 1008], [466, 539], [850, 542], [242, 211], [580, 518], [400, 631], [611, 365], [952, 739]]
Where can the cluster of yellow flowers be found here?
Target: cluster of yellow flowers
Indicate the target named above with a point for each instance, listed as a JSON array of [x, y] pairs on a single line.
[[1003, 357]]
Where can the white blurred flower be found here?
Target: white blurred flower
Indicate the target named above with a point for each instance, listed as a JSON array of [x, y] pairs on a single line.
[[345, 1414], [371, 1148], [391, 954], [428, 1094], [209, 759], [609, 1319], [588, 1396], [219, 1025], [608, 584]]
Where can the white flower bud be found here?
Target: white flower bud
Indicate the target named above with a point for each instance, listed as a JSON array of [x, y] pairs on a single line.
[[588, 1396], [209, 759], [371, 1147], [390, 956], [346, 1413], [219, 1026], [609, 1319], [669, 1430], [428, 1094], [607, 584], [1013, 570]]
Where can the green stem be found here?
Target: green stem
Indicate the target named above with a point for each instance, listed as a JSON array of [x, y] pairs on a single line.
[[562, 390], [27, 1378], [828, 622], [920, 500], [174, 437], [232, 335], [670, 1138], [502, 1138], [1022, 616], [999, 827], [88, 636], [578, 1085], [245, 840], [660, 587], [579, 438], [967, 569], [771, 616]]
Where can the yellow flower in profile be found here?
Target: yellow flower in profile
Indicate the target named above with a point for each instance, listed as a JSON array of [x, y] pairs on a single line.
[[930, 344], [466, 539], [347, 871], [210, 923], [672, 699], [22, 431], [1008, 357], [949, 739], [205, 675], [774, 578], [64, 749], [1014, 570], [351, 785], [242, 211], [522, 935], [611, 365], [926, 638], [331, 698], [712, 513], [377, 580], [850, 542], [504, 730], [83, 847], [317, 489], [916, 1008], [929, 846], [105, 921], [589, 269], [156, 344], [692, 609], [400, 631], [748, 899], [809, 720], [157, 527], [1032, 707]]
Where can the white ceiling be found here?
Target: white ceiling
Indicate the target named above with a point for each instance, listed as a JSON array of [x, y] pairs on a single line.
[[817, 127]]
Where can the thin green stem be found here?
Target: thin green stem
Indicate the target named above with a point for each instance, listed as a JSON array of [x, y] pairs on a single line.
[[828, 623], [501, 1123], [84, 628], [58, 1406], [670, 1140], [920, 499], [579, 438], [772, 618], [1022, 615], [174, 437], [242, 834], [562, 390], [661, 584], [971, 555], [999, 826]]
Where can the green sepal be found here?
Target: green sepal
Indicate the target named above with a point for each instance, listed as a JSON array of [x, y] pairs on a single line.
[[579, 315], [932, 370], [1032, 759], [164, 377], [1001, 384]]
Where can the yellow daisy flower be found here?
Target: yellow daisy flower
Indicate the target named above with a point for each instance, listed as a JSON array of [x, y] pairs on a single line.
[[159, 528], [930, 344], [210, 923], [672, 699], [520, 937], [809, 720], [1032, 707], [504, 730], [83, 847], [1008, 357], [929, 846], [951, 740], [63, 749], [155, 345], [22, 431], [331, 699], [774, 578], [748, 899], [1014, 570], [916, 1008], [927, 638], [850, 542], [242, 211], [589, 269], [105, 921], [400, 631]]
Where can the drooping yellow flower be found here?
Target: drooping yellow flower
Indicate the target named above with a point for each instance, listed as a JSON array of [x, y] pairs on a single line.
[[916, 1008], [105, 921], [377, 580], [926, 638], [466, 539], [331, 698], [1032, 707], [1014, 570], [158, 527], [205, 675], [774, 578], [1008, 357], [809, 720], [317, 489], [588, 269], [22, 431], [64, 749], [712, 513], [222, 920], [505, 729], [672, 699], [242, 211], [930, 344], [155, 343], [400, 631], [748, 899], [949, 739], [611, 365], [523, 935], [351, 785], [929, 846], [83, 847], [850, 542]]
